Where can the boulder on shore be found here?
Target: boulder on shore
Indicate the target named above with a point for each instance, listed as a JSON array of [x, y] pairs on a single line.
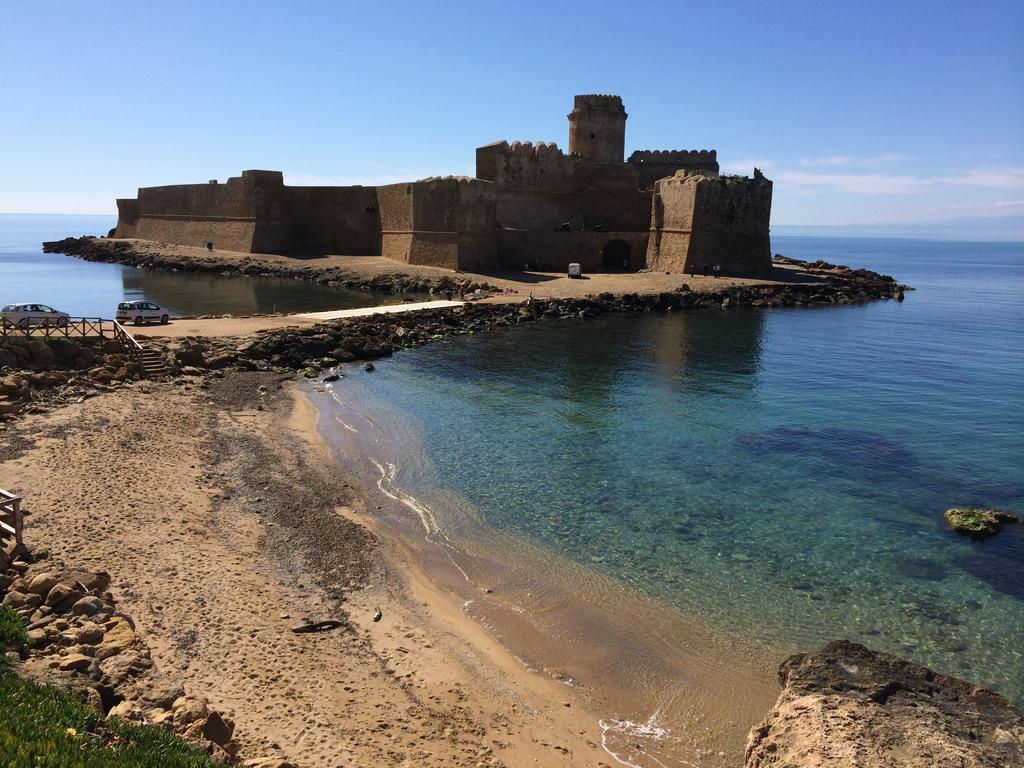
[[846, 706]]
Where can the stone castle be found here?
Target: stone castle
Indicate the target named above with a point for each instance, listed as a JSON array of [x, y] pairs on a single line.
[[529, 204]]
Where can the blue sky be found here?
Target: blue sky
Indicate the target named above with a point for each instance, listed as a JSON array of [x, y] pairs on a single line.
[[861, 112]]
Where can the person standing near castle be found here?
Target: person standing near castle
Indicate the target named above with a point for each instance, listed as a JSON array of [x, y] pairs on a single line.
[[706, 265]]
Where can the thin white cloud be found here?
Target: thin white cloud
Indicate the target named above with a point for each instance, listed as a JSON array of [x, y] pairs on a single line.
[[889, 184], [746, 167], [993, 178], [831, 160], [851, 183], [844, 160], [999, 208]]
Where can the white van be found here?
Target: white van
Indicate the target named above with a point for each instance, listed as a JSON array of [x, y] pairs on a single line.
[[139, 312]]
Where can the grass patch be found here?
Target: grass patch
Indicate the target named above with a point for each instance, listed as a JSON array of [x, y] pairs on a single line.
[[12, 631], [12, 628], [41, 727]]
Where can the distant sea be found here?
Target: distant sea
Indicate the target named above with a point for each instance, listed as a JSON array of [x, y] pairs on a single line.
[[781, 474]]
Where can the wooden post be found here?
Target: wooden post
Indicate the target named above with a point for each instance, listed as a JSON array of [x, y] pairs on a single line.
[[19, 524]]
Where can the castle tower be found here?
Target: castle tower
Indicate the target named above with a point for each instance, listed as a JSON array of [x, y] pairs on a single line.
[[597, 128]]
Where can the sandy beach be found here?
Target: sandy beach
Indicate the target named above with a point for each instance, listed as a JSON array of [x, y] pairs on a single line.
[[224, 523]]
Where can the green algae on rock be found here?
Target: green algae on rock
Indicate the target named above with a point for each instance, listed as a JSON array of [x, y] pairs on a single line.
[[976, 522]]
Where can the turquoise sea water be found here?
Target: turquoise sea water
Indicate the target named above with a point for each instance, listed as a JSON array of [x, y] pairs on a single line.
[[780, 474], [84, 289]]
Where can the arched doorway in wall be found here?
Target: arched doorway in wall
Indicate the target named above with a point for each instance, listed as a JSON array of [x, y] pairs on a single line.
[[616, 256]]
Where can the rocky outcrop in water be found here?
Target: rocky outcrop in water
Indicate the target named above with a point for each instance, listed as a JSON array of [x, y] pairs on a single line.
[[978, 523], [849, 707]]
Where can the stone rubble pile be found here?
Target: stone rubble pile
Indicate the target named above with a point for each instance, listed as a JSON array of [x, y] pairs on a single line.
[[60, 370], [80, 641]]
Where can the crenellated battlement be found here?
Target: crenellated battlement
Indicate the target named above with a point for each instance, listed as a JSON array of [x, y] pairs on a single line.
[[468, 181], [525, 164], [537, 150], [522, 149], [674, 156], [684, 176], [654, 164], [604, 102]]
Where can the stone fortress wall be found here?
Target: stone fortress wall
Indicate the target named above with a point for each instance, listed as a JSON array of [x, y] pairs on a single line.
[[530, 204], [553, 209], [193, 214], [255, 213], [698, 219], [443, 222]]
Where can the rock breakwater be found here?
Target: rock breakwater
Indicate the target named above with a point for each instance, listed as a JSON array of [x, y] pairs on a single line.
[[30, 375], [365, 338], [820, 283], [138, 254]]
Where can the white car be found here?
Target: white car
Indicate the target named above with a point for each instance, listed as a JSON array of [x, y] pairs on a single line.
[[25, 315], [139, 312]]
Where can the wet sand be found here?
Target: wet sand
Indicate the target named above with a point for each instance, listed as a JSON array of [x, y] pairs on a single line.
[[665, 688]]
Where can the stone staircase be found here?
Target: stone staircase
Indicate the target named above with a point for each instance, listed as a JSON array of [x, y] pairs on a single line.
[[152, 363]]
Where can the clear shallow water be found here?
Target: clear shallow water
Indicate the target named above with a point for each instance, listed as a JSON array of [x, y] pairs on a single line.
[[781, 474], [89, 289]]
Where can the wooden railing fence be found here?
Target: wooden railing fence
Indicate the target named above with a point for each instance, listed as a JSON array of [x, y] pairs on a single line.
[[81, 327], [74, 327], [12, 520]]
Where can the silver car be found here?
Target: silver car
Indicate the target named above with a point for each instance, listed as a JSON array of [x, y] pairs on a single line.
[[25, 315], [139, 312]]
